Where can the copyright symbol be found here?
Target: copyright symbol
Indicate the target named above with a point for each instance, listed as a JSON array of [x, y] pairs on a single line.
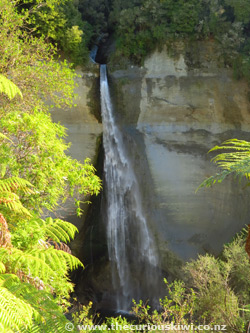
[[69, 327]]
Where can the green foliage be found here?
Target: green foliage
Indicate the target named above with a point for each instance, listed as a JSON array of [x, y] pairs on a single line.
[[216, 302], [35, 175], [26, 309], [84, 316], [222, 286], [71, 41], [235, 254], [29, 62], [9, 88], [59, 230], [34, 139], [241, 10], [177, 307], [9, 199], [143, 26], [15, 312], [57, 21], [95, 12], [39, 142], [77, 35], [235, 162], [33, 281]]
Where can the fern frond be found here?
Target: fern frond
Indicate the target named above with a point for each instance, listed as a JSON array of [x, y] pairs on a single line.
[[52, 324], [8, 197], [235, 161], [49, 264], [45, 315], [58, 260], [12, 202], [26, 262], [14, 312], [60, 231], [12, 184], [9, 88]]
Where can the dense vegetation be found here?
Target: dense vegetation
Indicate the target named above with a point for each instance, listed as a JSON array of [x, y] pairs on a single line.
[[58, 22], [36, 174], [141, 26], [212, 292]]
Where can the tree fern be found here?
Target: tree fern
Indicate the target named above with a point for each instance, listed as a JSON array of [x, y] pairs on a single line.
[[2, 268], [9, 88], [46, 233], [50, 266], [15, 312], [33, 279], [59, 231], [236, 161], [25, 263], [12, 184], [8, 196], [37, 308], [25, 295], [55, 258]]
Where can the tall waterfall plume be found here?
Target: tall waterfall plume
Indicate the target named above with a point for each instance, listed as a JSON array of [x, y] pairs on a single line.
[[131, 248]]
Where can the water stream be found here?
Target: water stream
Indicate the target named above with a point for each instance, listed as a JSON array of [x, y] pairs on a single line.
[[132, 253]]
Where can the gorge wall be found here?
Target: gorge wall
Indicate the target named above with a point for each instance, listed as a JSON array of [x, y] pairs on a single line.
[[84, 128], [170, 112]]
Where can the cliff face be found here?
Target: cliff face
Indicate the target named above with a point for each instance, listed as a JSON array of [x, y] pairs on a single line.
[[83, 123], [172, 111]]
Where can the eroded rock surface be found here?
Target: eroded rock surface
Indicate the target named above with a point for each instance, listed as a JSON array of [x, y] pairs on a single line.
[[84, 128], [172, 111]]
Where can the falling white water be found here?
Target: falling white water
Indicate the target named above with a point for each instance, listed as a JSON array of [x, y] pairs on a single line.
[[131, 248]]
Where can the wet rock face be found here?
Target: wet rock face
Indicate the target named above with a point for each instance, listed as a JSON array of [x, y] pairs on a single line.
[[172, 111]]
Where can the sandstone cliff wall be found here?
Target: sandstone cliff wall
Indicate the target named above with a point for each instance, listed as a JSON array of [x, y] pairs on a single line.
[[84, 128], [172, 111]]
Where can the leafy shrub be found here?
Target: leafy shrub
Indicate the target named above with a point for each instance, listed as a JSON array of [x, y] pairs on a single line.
[[54, 20], [235, 254], [177, 307], [216, 302]]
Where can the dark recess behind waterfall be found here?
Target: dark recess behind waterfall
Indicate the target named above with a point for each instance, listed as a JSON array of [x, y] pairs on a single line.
[[105, 48], [93, 251]]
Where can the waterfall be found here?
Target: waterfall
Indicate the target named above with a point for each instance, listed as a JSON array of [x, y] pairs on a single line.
[[93, 54], [131, 248]]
